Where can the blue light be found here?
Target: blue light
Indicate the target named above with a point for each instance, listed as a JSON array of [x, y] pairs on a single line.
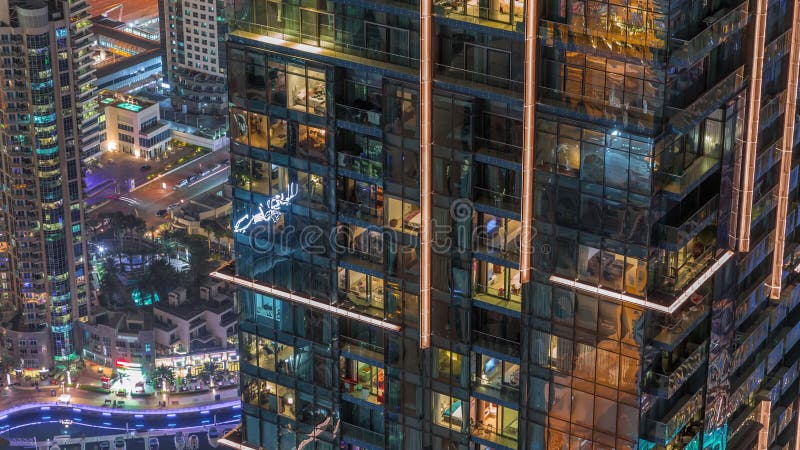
[[107, 423], [237, 416], [170, 415], [204, 412], [139, 416], [44, 408], [139, 425], [171, 425], [206, 421], [45, 417], [107, 414], [4, 417], [77, 419], [236, 407], [77, 410]]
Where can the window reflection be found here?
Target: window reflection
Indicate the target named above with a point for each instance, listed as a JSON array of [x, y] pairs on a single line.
[[306, 90], [494, 422], [448, 411], [497, 234], [311, 143], [612, 270], [364, 291], [362, 380], [403, 216], [495, 373], [497, 281]]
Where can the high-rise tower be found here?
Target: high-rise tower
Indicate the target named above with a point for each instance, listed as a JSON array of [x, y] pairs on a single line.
[[502, 224], [49, 120]]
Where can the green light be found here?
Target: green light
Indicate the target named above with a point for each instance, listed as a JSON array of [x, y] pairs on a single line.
[[130, 107]]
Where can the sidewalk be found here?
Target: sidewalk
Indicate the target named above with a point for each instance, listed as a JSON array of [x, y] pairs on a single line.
[[17, 395]]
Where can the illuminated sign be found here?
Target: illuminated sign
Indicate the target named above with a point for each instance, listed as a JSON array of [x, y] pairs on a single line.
[[128, 365], [267, 212]]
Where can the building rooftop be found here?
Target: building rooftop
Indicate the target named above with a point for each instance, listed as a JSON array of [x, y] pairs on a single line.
[[193, 308], [126, 102]]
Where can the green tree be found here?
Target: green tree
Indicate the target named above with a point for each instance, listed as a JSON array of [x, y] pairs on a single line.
[[199, 264], [160, 278]]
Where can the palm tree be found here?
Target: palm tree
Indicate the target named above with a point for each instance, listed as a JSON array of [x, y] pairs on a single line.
[[164, 373]]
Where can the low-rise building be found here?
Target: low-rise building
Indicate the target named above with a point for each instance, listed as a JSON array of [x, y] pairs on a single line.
[[111, 336], [25, 347], [189, 325], [134, 125]]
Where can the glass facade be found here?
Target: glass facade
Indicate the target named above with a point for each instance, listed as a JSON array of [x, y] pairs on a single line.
[[50, 123], [646, 300]]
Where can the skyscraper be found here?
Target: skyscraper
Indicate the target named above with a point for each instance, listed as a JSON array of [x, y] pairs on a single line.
[[49, 121], [501, 224], [193, 41]]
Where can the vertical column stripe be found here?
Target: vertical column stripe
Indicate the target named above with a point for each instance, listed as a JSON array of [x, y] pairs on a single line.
[[786, 156], [751, 136], [528, 141], [425, 164]]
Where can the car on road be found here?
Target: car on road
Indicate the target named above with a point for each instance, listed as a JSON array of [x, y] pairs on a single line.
[[161, 212], [145, 168], [191, 178], [205, 172], [226, 162], [181, 184], [173, 206]]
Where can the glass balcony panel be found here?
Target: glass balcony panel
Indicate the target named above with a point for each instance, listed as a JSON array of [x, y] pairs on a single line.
[[364, 292], [363, 113], [666, 429], [497, 285], [497, 235], [667, 382], [677, 235], [720, 26], [678, 268]]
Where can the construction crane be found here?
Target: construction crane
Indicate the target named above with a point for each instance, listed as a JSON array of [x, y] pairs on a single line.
[[118, 6]]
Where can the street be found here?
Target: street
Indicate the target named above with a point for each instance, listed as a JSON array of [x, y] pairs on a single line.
[[130, 10], [150, 198]]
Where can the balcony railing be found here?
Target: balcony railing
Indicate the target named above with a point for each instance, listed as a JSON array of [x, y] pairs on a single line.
[[496, 199], [677, 237], [498, 149], [354, 346], [668, 384], [666, 430], [363, 116], [722, 25], [361, 434], [681, 183], [683, 120], [364, 166], [496, 343], [361, 211]]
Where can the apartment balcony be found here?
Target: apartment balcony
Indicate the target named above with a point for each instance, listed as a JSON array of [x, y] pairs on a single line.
[[672, 329], [673, 422], [507, 440], [364, 166], [767, 159], [361, 211], [666, 383], [681, 183], [745, 386], [720, 26], [356, 434], [612, 41], [496, 343], [675, 236], [495, 149], [682, 120], [496, 199], [361, 112], [632, 117], [354, 347]]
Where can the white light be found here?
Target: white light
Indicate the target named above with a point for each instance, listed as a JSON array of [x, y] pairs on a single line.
[[294, 298], [272, 212], [642, 302]]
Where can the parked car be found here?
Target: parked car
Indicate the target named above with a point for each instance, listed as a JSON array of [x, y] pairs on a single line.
[[161, 212], [173, 206], [181, 184]]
